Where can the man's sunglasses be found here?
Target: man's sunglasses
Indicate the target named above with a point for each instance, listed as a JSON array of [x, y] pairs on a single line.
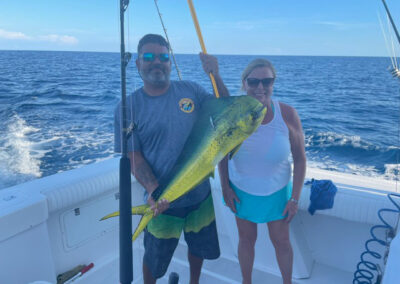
[[150, 57], [266, 82]]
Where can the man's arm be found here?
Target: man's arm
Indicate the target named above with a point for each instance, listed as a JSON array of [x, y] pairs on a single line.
[[145, 176], [223, 91], [142, 171], [210, 65]]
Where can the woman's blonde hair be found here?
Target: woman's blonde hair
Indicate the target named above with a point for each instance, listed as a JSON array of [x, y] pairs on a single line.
[[257, 63]]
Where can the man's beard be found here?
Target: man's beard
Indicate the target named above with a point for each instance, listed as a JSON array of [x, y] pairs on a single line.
[[159, 79]]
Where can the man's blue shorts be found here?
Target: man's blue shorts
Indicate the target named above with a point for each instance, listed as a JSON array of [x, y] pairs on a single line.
[[163, 232]]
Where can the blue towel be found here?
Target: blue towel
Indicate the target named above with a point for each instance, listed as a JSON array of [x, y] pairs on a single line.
[[322, 195]]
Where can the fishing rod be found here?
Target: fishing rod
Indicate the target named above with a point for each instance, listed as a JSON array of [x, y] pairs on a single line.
[[391, 20], [203, 47], [395, 71], [166, 37], [125, 195]]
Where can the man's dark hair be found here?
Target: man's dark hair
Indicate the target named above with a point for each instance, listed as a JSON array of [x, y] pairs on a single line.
[[152, 38]]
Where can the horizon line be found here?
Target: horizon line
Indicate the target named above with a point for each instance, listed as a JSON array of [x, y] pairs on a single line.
[[217, 54]]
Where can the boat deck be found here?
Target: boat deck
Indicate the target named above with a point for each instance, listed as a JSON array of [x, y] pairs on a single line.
[[226, 270], [50, 225]]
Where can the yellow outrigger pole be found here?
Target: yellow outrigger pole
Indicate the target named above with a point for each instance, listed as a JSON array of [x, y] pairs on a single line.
[[203, 47]]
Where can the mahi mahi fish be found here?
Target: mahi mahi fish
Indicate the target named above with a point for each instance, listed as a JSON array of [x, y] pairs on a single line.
[[221, 127]]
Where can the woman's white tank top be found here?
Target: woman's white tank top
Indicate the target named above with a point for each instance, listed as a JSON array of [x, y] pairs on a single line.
[[261, 166]]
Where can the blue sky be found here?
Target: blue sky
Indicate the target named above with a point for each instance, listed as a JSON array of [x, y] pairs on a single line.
[[262, 27]]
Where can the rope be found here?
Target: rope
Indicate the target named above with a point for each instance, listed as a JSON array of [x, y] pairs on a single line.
[[393, 48], [398, 147], [166, 36], [386, 40]]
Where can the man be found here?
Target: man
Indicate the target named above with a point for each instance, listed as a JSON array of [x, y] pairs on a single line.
[[163, 113]]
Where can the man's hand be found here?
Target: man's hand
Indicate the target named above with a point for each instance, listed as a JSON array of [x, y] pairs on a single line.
[[210, 63], [158, 207]]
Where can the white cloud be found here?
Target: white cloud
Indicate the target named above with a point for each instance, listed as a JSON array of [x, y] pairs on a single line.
[[13, 35], [246, 25], [344, 25], [334, 24], [62, 39], [330, 23], [59, 39]]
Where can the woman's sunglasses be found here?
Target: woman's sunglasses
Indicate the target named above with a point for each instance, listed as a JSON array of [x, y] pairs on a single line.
[[266, 82], [150, 57]]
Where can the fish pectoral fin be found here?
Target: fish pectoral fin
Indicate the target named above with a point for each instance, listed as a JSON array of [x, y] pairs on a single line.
[[234, 151], [142, 224], [212, 122]]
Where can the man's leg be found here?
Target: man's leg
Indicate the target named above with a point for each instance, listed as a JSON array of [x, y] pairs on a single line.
[[147, 277], [201, 236], [195, 264], [160, 241]]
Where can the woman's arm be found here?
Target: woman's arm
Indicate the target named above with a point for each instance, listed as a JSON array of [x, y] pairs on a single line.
[[227, 192], [296, 138]]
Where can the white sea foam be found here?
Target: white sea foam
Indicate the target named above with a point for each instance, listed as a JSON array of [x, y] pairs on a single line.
[[336, 139], [392, 171], [19, 157]]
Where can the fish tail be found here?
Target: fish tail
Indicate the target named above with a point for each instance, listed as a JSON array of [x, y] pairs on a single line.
[[114, 214], [136, 210], [142, 224], [140, 210]]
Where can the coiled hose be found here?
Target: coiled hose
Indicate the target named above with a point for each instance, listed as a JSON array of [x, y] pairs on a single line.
[[367, 271]]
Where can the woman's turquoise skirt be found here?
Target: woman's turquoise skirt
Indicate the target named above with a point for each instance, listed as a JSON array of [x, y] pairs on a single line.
[[262, 209]]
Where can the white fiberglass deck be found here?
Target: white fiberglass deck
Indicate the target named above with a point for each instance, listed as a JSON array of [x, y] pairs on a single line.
[[50, 225]]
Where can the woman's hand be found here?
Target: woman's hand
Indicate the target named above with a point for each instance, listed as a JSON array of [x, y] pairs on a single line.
[[210, 63], [291, 210], [230, 197]]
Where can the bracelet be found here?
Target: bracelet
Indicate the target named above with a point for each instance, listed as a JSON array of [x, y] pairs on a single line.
[[294, 200]]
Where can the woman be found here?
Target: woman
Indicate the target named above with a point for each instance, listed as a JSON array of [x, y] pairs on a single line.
[[256, 183]]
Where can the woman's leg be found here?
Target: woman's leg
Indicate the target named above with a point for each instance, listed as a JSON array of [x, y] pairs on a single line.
[[279, 235], [247, 239]]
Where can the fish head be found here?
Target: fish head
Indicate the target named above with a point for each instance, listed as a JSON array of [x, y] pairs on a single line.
[[248, 114]]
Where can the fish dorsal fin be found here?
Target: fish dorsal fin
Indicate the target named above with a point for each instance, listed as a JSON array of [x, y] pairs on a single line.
[[234, 151]]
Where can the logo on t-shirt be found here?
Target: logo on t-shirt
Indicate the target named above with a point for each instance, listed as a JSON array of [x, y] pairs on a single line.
[[186, 105]]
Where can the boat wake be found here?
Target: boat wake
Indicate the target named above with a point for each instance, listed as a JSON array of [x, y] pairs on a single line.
[[19, 156], [331, 151]]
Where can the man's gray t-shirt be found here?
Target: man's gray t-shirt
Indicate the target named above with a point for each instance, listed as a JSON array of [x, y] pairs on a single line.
[[163, 123]]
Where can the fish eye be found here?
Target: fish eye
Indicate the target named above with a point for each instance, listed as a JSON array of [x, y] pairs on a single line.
[[254, 115]]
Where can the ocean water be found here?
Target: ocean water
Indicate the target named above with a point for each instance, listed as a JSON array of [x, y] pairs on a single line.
[[56, 109]]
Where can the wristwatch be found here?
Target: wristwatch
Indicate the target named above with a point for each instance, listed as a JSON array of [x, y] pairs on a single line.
[[294, 200]]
